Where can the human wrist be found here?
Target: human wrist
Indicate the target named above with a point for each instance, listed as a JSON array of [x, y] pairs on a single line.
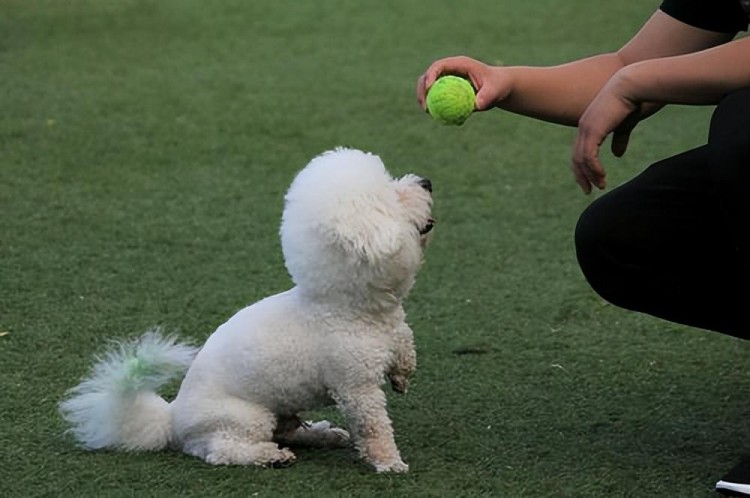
[[628, 83], [506, 81]]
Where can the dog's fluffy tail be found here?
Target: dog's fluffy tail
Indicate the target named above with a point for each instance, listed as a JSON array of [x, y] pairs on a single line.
[[116, 406]]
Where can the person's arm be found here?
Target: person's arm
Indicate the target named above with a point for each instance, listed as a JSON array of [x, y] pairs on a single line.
[[562, 93], [702, 77], [697, 78]]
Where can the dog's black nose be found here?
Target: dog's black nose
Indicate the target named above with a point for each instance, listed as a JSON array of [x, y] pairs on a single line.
[[426, 184]]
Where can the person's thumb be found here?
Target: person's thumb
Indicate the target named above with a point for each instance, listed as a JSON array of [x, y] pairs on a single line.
[[484, 99], [620, 139], [621, 134]]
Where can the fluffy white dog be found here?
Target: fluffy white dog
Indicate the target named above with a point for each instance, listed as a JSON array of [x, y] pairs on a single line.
[[352, 238]]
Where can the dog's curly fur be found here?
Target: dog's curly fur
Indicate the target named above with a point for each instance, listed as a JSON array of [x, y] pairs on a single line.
[[352, 238]]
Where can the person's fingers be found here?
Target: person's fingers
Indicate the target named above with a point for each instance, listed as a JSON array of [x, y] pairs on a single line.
[[594, 171], [421, 92], [576, 167], [590, 164], [581, 180], [587, 168], [436, 70], [459, 65], [464, 67], [425, 81]]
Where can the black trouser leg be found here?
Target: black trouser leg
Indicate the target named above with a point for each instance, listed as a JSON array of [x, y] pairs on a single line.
[[670, 242], [729, 167]]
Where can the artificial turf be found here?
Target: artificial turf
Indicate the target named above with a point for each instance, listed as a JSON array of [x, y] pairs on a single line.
[[145, 146]]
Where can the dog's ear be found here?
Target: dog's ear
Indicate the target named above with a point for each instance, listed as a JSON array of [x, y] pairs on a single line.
[[372, 236]]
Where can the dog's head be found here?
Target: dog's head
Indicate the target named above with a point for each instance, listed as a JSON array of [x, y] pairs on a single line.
[[350, 231]]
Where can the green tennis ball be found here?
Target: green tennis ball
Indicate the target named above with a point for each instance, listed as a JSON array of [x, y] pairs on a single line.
[[450, 100]]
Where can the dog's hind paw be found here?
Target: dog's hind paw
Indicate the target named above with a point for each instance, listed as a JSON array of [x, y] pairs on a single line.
[[285, 459], [264, 454], [324, 434], [338, 438]]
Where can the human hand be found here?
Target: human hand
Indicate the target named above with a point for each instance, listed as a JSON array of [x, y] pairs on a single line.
[[611, 111], [490, 82]]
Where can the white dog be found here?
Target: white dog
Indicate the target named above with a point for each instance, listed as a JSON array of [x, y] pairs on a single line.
[[352, 238]]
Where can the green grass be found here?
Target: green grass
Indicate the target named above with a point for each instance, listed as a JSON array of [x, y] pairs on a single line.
[[145, 147]]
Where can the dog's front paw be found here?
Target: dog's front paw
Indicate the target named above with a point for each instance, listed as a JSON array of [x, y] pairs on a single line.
[[397, 466], [399, 383]]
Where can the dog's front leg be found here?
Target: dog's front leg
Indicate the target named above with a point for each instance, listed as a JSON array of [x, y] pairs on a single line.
[[404, 359], [370, 428]]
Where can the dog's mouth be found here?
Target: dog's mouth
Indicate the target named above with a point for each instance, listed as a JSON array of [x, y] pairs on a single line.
[[428, 227]]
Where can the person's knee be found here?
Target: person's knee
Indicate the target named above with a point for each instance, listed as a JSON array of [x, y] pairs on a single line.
[[729, 152], [728, 134], [593, 243]]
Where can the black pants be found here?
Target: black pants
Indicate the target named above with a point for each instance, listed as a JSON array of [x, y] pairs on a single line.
[[674, 242]]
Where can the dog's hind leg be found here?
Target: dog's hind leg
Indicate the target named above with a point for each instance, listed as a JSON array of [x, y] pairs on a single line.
[[241, 434], [293, 432], [223, 450]]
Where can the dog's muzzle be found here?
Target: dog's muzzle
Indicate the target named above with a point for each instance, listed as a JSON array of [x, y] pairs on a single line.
[[426, 184], [426, 229]]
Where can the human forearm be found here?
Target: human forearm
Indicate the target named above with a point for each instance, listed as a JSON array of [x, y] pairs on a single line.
[[557, 94], [702, 77], [561, 93]]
